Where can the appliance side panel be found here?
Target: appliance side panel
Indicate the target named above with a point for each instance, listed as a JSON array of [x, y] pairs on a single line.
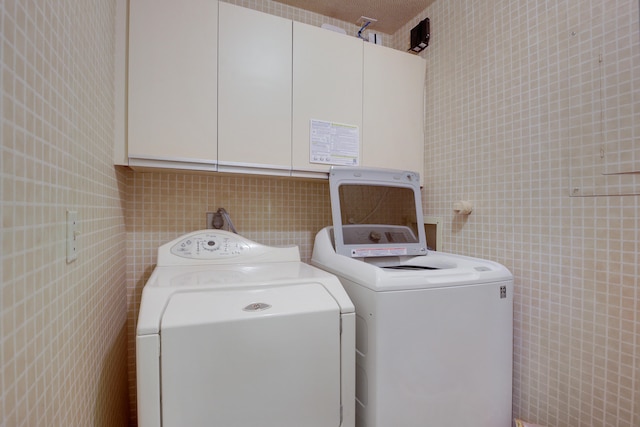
[[348, 369], [148, 379], [366, 365]]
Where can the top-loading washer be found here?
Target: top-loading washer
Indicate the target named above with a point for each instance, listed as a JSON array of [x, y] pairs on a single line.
[[232, 333], [433, 330]]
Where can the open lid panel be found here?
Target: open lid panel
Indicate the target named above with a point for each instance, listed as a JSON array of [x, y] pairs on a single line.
[[376, 212]]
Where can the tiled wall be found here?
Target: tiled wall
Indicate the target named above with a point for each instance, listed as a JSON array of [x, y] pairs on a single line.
[[299, 15], [496, 130], [497, 134], [62, 326]]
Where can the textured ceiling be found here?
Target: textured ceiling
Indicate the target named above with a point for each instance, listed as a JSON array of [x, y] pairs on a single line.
[[391, 15]]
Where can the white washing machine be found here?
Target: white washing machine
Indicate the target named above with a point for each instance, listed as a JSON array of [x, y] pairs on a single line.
[[232, 333], [433, 331]]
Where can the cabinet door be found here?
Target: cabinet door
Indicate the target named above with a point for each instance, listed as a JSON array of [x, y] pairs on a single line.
[[393, 129], [327, 86], [254, 91], [173, 80]]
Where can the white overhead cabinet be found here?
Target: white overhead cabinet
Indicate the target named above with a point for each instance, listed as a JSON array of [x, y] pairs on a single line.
[[327, 86], [393, 109], [254, 91], [172, 83], [217, 87]]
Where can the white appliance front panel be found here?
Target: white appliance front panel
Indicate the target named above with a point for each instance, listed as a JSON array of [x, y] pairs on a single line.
[[434, 357], [224, 366]]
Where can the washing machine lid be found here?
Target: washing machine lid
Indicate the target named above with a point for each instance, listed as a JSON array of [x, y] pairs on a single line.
[[376, 212]]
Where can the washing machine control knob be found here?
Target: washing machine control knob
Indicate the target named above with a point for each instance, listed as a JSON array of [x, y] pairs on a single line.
[[375, 236]]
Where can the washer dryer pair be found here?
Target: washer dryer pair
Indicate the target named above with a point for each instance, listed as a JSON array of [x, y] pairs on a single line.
[[433, 330], [233, 334]]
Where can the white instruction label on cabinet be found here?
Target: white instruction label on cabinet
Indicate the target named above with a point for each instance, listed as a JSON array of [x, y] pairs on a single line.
[[334, 143]]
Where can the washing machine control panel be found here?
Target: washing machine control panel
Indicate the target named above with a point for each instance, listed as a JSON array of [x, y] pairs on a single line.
[[209, 246]]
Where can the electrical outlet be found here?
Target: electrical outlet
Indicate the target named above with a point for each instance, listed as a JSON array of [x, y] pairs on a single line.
[[72, 236], [210, 219]]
